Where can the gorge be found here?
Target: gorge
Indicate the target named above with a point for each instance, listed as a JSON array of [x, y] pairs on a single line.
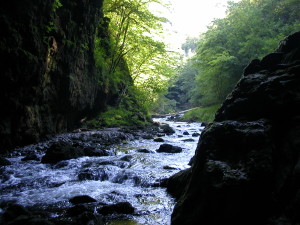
[[245, 169]]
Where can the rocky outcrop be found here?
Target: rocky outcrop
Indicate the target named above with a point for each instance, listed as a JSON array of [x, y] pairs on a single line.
[[246, 166], [49, 81]]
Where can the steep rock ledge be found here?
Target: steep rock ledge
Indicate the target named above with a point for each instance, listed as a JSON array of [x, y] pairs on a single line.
[[246, 166], [48, 77]]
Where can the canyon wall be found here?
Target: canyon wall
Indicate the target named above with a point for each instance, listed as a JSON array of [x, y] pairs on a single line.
[[49, 81], [246, 169]]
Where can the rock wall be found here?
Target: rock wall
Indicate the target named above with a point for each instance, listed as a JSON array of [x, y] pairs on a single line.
[[246, 169], [48, 79]]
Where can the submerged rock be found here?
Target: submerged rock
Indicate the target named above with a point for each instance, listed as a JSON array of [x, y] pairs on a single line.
[[118, 208], [93, 174], [80, 199], [169, 148], [144, 151], [159, 140], [188, 140]]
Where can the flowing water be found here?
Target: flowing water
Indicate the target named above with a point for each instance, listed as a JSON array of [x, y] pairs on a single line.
[[127, 176]]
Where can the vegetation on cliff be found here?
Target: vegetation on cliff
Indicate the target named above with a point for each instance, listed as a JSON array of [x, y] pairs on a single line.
[[250, 30]]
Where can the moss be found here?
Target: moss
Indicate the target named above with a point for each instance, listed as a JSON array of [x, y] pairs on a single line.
[[117, 117], [206, 114]]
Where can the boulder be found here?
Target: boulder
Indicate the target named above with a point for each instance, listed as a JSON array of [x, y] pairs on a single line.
[[61, 150], [169, 148], [246, 166], [167, 129]]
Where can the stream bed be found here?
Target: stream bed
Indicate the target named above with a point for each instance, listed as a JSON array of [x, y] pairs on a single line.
[[132, 172]]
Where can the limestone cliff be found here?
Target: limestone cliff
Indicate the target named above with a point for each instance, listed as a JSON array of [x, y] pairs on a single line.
[[246, 166], [48, 79]]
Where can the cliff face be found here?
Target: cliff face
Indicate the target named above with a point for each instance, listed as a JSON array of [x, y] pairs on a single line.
[[48, 79], [246, 166]]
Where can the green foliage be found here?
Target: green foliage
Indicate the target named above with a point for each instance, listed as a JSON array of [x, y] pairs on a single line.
[[189, 45], [56, 4], [206, 114], [134, 36], [252, 29]]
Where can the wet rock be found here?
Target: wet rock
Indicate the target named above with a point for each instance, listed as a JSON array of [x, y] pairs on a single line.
[[159, 140], [31, 156], [59, 151], [176, 184], [119, 208], [170, 168], [90, 151], [123, 176], [167, 129], [14, 211], [195, 135], [82, 199], [188, 140], [192, 160], [147, 137], [169, 148], [204, 124], [4, 162], [144, 151], [127, 158], [186, 133], [88, 218], [60, 165], [77, 210], [93, 174]]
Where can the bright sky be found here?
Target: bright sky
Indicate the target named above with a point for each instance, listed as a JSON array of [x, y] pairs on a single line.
[[191, 17]]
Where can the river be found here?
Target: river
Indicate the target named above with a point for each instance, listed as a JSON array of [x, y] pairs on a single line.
[[128, 175]]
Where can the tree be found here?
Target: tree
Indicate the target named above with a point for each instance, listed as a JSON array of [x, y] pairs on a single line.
[[134, 32]]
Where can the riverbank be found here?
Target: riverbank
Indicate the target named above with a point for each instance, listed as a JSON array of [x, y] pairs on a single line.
[[120, 170]]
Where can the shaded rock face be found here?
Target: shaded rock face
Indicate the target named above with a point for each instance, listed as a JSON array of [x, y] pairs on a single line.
[[48, 79], [246, 166]]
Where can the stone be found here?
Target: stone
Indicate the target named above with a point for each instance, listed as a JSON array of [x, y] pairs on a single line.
[[61, 150], [80, 199], [167, 129], [31, 157], [195, 135], [188, 140], [169, 148], [186, 133], [118, 208], [93, 174], [77, 210], [159, 140], [253, 67], [4, 162], [144, 151]]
